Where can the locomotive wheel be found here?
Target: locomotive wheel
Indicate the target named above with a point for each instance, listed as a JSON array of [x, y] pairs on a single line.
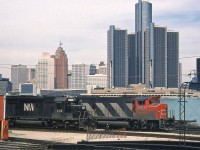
[[152, 126], [136, 125], [55, 126], [66, 127]]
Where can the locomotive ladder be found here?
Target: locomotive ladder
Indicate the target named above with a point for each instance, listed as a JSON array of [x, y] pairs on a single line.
[[81, 118]]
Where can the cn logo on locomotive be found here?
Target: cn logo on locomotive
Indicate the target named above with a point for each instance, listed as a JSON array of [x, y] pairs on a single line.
[[29, 107]]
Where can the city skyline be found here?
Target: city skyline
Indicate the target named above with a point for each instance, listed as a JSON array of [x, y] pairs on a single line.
[[26, 28]]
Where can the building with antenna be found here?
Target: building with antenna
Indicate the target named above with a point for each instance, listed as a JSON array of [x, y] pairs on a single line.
[[61, 68]]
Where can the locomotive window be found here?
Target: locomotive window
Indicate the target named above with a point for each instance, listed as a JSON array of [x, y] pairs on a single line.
[[151, 102], [140, 102], [59, 105]]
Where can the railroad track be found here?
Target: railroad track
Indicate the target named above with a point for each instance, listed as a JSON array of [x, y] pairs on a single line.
[[22, 143], [158, 134], [48, 129], [18, 143]]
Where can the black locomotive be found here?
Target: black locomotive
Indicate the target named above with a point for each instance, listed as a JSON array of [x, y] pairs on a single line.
[[83, 111], [65, 112]]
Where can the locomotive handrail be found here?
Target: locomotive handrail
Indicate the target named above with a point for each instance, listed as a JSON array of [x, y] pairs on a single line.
[[79, 119]]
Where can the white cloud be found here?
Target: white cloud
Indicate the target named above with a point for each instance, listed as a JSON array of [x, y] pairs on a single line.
[[30, 27]]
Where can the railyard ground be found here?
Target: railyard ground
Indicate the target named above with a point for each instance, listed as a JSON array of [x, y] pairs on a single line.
[[70, 137], [53, 139]]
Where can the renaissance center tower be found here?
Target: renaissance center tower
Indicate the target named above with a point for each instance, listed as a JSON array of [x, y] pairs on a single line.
[[143, 18]]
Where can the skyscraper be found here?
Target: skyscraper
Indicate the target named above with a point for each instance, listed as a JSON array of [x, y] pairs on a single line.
[[152, 53], [198, 68], [117, 57], [131, 60], [172, 59], [61, 69], [19, 74], [143, 18], [79, 76], [45, 71], [156, 56]]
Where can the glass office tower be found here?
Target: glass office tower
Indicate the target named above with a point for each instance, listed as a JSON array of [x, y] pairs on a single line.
[[143, 18], [117, 58], [156, 56], [172, 59], [198, 68], [131, 59]]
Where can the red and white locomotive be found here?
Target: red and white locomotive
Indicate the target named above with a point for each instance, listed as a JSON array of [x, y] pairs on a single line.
[[150, 112], [142, 112]]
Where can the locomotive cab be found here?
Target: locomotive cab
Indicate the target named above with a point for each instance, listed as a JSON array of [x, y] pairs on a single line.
[[69, 110], [65, 108], [69, 105], [149, 108]]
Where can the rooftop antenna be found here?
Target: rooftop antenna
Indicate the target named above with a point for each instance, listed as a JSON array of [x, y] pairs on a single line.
[[60, 44]]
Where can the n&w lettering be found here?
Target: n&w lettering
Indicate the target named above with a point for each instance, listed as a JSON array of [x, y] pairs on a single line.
[[29, 107]]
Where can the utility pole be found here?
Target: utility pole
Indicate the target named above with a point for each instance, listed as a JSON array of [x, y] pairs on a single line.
[[182, 107], [182, 101]]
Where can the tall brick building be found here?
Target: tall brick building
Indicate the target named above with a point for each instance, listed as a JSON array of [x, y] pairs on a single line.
[[61, 68]]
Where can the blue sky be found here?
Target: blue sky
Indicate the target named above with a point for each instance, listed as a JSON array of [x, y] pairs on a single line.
[[30, 27]]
